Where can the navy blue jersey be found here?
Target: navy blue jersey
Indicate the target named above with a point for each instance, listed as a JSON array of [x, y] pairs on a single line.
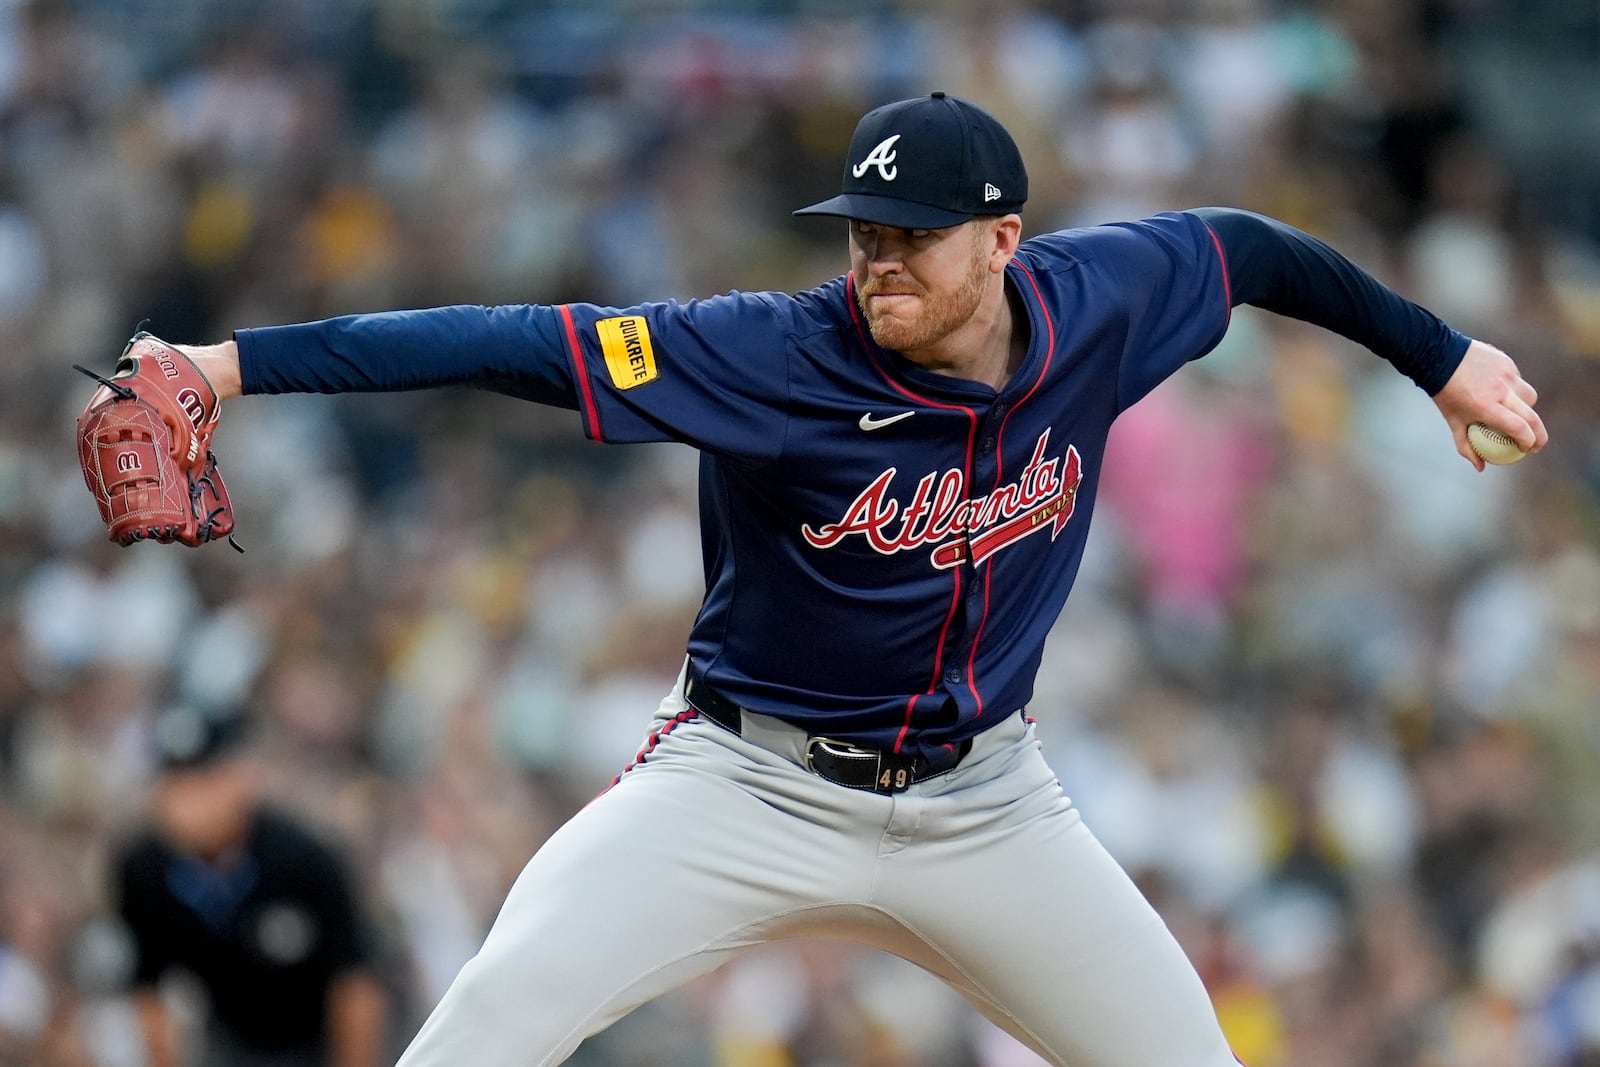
[[885, 548]]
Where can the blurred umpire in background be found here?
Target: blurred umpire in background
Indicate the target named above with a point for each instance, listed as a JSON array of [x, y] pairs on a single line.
[[253, 906]]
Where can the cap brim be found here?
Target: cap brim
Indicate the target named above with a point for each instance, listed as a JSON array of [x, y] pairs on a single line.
[[886, 211]]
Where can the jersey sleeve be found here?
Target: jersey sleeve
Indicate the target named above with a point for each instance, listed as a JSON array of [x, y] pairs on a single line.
[[710, 373], [1168, 283], [1284, 270]]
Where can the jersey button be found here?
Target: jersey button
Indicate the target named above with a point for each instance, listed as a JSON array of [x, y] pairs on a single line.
[[988, 443], [952, 675]]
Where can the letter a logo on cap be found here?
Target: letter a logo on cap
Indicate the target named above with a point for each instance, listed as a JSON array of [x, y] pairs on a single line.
[[881, 157]]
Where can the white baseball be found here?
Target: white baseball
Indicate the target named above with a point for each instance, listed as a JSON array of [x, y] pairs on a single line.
[[1492, 445]]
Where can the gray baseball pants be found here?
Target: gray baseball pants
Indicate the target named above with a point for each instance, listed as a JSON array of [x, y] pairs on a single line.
[[713, 842]]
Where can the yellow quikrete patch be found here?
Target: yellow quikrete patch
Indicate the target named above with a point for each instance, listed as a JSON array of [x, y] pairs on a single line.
[[625, 342]]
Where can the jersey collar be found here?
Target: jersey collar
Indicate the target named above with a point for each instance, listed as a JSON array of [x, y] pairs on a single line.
[[1040, 329]]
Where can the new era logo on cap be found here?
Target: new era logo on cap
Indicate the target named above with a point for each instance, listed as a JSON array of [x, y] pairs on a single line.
[[927, 163]]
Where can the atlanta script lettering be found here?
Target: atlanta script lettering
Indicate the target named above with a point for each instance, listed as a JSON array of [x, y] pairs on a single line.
[[942, 515]]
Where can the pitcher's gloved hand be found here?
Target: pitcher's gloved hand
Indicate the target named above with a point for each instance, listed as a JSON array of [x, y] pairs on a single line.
[[144, 442]]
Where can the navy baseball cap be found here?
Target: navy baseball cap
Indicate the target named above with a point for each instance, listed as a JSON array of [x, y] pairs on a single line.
[[926, 163], [188, 737]]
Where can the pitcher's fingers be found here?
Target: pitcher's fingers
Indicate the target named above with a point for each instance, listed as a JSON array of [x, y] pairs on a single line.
[[1531, 436]]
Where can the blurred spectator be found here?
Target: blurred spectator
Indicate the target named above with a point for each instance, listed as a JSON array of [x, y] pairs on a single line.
[[252, 907]]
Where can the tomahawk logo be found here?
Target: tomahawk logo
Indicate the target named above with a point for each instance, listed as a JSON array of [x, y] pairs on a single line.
[[882, 157], [958, 527]]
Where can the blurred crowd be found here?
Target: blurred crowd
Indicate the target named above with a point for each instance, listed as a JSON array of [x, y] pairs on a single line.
[[1332, 696]]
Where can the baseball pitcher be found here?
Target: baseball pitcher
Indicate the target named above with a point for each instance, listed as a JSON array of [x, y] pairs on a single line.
[[898, 469]]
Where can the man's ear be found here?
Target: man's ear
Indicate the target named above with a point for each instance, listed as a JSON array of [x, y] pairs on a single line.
[[1005, 235]]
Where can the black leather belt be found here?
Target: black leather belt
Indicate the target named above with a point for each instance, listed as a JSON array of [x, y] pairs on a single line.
[[839, 762]]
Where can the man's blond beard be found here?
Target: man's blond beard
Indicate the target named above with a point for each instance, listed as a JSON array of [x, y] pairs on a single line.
[[939, 318]]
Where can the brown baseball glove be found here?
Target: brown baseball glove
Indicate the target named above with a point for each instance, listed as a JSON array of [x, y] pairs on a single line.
[[144, 441]]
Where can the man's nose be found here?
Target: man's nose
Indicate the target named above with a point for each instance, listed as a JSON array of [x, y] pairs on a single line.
[[884, 256]]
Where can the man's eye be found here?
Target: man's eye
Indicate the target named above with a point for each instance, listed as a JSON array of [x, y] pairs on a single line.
[[919, 233]]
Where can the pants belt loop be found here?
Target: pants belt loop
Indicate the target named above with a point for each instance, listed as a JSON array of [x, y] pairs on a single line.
[[710, 703]]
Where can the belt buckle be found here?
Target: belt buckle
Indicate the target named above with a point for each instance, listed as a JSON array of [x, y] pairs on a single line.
[[895, 778]]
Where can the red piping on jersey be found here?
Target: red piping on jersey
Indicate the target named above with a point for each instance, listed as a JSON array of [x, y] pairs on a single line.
[[1227, 286], [591, 414], [999, 476], [966, 480], [972, 655]]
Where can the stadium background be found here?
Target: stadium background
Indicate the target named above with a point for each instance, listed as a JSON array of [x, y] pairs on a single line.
[[1331, 695]]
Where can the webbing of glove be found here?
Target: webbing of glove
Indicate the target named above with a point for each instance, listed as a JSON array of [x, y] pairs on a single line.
[[144, 445]]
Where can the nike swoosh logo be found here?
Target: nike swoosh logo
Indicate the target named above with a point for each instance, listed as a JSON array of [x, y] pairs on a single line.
[[868, 423]]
